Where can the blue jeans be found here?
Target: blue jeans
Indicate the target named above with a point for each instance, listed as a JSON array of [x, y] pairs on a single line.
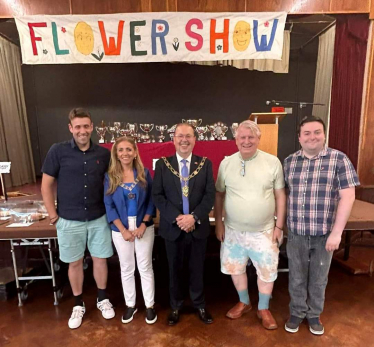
[[309, 265]]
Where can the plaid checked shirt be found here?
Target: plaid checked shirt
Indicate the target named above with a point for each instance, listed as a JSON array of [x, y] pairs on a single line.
[[314, 186]]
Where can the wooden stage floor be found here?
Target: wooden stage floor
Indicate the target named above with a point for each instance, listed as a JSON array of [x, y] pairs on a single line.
[[348, 315]]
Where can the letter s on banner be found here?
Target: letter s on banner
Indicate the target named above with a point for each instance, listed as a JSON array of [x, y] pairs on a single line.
[[193, 35]]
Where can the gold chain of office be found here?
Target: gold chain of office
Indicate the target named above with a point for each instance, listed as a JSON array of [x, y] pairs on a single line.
[[185, 179]]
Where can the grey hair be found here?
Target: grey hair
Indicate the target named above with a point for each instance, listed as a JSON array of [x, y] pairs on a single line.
[[248, 124]]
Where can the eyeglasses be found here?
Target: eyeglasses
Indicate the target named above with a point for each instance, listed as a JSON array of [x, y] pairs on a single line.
[[181, 137], [242, 171]]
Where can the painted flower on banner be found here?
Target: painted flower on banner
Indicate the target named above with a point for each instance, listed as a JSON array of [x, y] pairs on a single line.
[[45, 51], [266, 24], [219, 47], [160, 28], [63, 30], [176, 43]]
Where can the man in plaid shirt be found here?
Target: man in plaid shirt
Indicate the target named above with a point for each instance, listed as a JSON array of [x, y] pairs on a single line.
[[321, 191]]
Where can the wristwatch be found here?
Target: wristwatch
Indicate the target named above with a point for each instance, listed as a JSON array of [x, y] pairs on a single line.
[[147, 223], [196, 218]]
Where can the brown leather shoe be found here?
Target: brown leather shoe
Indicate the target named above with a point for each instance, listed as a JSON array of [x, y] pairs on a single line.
[[268, 321], [238, 310]]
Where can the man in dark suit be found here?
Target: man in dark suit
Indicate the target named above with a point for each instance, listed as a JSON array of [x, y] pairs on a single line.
[[183, 191]]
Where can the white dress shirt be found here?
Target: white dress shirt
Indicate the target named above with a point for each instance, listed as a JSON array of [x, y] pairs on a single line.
[[181, 164]]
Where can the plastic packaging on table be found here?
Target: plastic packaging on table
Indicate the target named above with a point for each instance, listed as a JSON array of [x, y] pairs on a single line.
[[28, 211], [6, 210]]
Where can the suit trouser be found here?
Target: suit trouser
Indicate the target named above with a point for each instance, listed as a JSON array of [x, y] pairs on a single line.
[[188, 249], [309, 265], [142, 248]]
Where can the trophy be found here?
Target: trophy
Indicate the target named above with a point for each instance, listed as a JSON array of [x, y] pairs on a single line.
[[161, 129], [153, 138], [133, 128], [219, 130], [145, 138], [117, 126], [136, 136], [211, 129], [194, 122], [147, 128], [201, 131], [124, 132], [112, 130], [101, 130], [234, 128], [171, 131]]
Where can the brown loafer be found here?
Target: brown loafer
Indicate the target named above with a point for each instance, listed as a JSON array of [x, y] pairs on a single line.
[[238, 310], [267, 319]]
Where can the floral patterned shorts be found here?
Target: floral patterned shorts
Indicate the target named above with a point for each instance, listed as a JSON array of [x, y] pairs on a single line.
[[240, 246]]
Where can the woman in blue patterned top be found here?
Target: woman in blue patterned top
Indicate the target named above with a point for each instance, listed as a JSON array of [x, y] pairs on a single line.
[[129, 210]]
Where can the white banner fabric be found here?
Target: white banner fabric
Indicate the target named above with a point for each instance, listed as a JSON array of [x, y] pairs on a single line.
[[151, 37]]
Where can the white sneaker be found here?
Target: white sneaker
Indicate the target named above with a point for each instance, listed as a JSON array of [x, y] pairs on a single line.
[[75, 320], [106, 308]]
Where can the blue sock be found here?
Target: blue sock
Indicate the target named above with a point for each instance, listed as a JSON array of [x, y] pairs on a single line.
[[263, 302], [244, 296]]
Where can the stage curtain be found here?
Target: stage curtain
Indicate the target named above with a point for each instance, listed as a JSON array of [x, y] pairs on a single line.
[[15, 145], [322, 88], [277, 66], [347, 83]]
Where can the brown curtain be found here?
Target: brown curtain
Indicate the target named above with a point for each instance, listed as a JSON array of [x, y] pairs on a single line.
[[347, 83], [15, 145]]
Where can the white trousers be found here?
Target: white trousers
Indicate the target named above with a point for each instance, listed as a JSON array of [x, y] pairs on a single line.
[[142, 248]]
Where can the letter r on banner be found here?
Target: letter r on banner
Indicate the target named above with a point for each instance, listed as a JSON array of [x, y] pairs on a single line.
[[156, 24]]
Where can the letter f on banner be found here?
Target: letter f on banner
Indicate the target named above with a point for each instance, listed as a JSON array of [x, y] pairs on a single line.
[[264, 46], [32, 35]]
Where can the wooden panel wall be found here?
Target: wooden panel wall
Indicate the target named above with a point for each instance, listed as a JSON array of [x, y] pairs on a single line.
[[211, 6], [362, 6], [291, 6], [120, 6], [30, 7], [366, 151], [10, 9]]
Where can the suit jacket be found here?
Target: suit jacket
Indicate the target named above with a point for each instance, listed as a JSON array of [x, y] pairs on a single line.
[[167, 197]]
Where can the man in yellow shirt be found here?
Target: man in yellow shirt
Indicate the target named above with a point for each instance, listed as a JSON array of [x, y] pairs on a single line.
[[250, 187]]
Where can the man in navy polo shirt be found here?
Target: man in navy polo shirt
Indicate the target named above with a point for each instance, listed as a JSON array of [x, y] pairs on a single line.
[[79, 166]]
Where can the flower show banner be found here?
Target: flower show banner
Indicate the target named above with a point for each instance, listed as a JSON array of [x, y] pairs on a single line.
[[150, 37]]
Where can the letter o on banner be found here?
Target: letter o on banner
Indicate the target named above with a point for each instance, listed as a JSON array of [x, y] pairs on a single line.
[[84, 38], [241, 36]]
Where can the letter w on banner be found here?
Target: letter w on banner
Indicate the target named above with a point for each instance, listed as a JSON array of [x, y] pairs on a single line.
[[151, 37]]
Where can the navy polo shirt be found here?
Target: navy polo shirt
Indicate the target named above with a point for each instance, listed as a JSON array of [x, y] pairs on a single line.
[[80, 179]]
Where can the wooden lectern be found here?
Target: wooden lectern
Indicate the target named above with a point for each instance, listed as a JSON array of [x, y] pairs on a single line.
[[269, 126]]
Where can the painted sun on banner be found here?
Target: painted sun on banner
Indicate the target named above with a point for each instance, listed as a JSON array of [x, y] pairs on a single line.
[[150, 37]]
